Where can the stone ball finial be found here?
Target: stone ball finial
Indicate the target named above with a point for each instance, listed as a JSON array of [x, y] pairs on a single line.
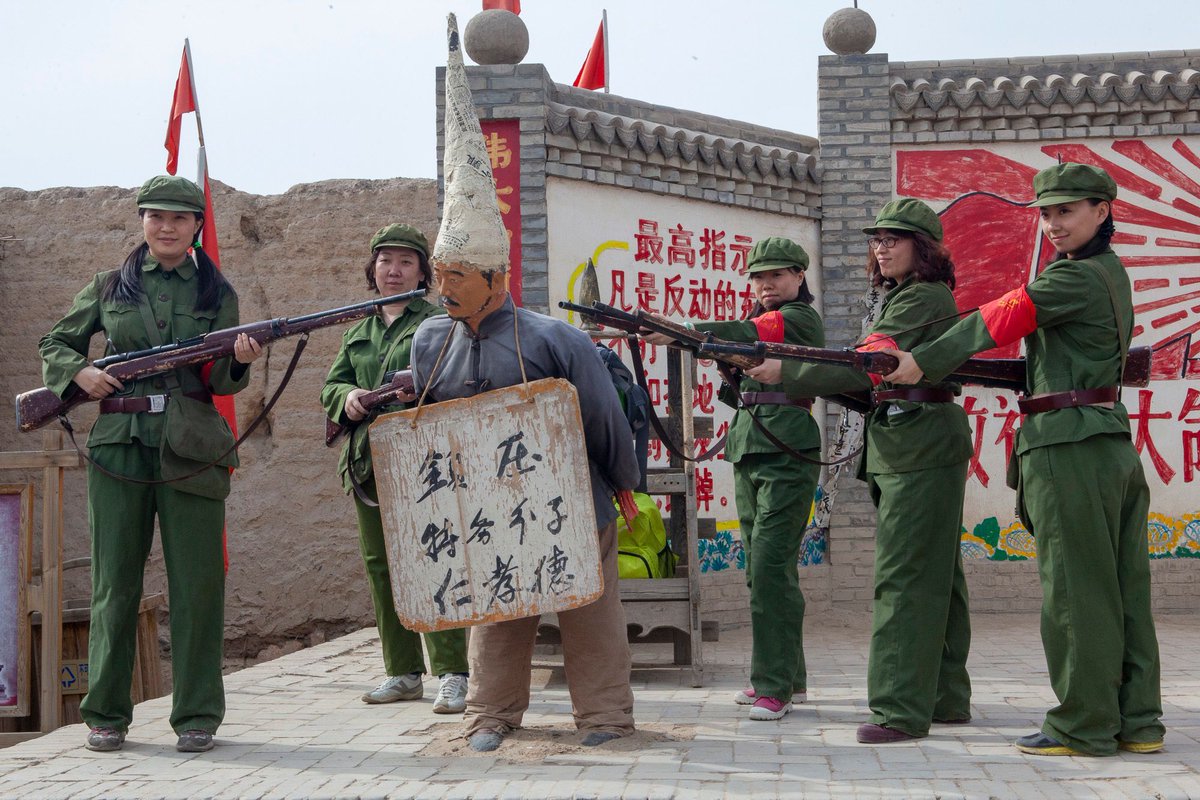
[[849, 32], [496, 36]]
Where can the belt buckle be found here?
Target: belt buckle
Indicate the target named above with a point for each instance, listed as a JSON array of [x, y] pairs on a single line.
[[158, 403]]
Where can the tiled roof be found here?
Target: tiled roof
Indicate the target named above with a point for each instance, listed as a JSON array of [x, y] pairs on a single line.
[[688, 145], [1077, 89]]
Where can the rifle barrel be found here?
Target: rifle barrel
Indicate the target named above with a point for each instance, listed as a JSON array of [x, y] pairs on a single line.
[[379, 301]]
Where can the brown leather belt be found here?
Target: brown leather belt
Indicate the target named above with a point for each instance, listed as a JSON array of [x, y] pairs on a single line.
[[774, 399], [919, 395], [1072, 399], [153, 403]]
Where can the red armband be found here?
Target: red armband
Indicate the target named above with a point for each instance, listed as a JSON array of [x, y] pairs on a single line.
[[1010, 317], [206, 375], [770, 327], [877, 341]]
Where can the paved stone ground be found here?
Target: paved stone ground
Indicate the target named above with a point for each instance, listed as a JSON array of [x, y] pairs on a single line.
[[296, 729]]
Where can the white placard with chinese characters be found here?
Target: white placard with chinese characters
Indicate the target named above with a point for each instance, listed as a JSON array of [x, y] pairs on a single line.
[[487, 507]]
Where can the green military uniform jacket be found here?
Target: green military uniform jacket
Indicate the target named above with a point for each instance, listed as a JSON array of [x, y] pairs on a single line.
[[369, 350], [792, 425], [1075, 346], [194, 432], [902, 436]]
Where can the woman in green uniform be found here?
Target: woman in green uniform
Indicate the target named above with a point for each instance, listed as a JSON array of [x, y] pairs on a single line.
[[1080, 487], [771, 485], [380, 344], [149, 430], [915, 463]]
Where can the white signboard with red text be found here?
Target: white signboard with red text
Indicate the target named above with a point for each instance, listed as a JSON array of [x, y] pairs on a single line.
[[682, 258]]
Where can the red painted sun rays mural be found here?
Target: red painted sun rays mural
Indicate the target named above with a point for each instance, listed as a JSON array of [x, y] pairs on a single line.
[[981, 196]]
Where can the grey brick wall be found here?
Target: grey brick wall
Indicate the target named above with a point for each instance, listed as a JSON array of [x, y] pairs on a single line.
[[853, 100]]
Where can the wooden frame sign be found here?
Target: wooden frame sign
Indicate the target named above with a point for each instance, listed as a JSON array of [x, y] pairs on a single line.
[[16, 542], [487, 507]]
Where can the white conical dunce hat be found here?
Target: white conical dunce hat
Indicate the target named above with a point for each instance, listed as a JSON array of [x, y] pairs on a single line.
[[472, 234]]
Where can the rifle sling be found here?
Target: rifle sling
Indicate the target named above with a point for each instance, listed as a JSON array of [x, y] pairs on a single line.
[[1124, 331], [639, 371], [287, 376], [360, 492], [783, 448]]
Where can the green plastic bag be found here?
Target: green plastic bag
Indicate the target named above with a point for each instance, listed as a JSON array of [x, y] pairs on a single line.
[[643, 552]]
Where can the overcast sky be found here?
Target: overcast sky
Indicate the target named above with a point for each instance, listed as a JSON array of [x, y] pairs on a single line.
[[293, 91]]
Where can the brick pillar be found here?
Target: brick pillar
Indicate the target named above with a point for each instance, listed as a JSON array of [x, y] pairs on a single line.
[[856, 165]]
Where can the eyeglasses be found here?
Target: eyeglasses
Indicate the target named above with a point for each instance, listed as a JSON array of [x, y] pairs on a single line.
[[885, 242]]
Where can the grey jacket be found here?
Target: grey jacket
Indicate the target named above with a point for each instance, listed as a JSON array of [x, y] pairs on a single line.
[[551, 349]]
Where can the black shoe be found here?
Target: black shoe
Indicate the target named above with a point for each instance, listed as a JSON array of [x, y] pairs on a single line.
[[195, 741]]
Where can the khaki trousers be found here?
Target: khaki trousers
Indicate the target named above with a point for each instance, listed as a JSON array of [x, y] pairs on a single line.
[[595, 654]]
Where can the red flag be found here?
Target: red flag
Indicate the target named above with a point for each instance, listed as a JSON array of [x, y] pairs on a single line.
[[183, 102], [506, 5], [594, 72]]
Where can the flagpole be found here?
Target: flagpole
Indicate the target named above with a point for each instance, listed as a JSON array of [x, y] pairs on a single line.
[[604, 24], [187, 51]]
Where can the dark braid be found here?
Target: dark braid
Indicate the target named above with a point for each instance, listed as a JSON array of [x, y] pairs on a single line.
[[125, 285]]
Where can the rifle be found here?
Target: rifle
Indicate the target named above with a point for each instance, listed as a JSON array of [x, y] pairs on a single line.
[[730, 361], [997, 373], [37, 407], [396, 383]]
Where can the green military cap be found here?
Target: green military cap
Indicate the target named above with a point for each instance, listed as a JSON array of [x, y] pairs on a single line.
[[776, 252], [1066, 183], [400, 235], [171, 193], [907, 214]]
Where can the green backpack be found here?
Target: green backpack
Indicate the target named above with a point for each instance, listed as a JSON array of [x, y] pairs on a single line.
[[643, 552]]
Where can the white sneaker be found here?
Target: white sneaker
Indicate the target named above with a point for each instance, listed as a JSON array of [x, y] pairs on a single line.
[[452, 694], [746, 697], [397, 687]]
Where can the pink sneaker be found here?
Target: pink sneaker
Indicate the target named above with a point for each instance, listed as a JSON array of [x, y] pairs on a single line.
[[746, 697], [769, 708]]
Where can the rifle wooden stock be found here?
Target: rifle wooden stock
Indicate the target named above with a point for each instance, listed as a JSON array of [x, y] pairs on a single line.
[[997, 373], [400, 383], [38, 407]]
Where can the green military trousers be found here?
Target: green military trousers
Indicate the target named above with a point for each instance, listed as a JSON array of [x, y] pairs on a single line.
[[401, 647], [1086, 503], [920, 628], [774, 493], [122, 522]]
